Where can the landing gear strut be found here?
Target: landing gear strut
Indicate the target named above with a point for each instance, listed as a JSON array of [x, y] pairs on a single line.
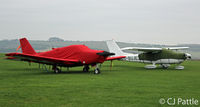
[[86, 68], [56, 70], [165, 66]]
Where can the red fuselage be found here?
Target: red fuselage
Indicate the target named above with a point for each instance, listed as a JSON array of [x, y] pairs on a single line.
[[78, 52]]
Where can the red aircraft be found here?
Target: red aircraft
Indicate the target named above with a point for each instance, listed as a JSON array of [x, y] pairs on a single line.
[[69, 56]]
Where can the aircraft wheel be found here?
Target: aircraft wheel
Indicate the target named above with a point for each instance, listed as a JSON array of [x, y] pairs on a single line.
[[165, 67], [97, 71], [86, 69], [57, 70], [179, 67]]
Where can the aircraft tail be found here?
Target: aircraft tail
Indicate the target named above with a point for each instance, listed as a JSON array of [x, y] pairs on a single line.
[[26, 46], [114, 48]]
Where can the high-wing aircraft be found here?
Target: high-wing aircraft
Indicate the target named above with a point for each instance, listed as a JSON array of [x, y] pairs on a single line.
[[162, 56], [69, 56]]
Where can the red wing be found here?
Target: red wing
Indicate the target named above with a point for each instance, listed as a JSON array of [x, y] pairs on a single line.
[[115, 57], [41, 59]]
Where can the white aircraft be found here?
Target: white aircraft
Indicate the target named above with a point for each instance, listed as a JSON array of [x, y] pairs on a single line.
[[162, 56]]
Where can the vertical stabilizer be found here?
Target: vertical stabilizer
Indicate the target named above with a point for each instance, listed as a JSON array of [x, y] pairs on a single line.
[[26, 46], [113, 47]]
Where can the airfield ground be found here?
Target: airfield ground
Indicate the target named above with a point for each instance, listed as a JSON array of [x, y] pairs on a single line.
[[128, 84]]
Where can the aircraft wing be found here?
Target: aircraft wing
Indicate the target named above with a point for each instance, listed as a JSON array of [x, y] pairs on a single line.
[[115, 57], [41, 59], [177, 48], [153, 49], [142, 49]]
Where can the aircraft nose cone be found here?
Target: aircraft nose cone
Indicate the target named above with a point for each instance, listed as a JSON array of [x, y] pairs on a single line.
[[105, 54]]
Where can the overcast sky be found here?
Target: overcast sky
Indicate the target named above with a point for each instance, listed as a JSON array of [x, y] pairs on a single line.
[[141, 21]]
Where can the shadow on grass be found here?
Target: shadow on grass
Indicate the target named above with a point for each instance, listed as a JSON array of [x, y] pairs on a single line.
[[22, 69], [126, 67], [38, 71], [141, 68]]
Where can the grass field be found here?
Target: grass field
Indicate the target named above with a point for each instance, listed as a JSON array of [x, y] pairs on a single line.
[[128, 84]]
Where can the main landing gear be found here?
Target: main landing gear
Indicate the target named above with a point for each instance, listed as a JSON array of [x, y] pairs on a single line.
[[153, 66], [179, 67], [86, 68], [96, 71], [56, 70], [165, 66]]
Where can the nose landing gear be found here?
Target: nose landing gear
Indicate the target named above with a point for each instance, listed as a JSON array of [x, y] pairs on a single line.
[[97, 71]]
